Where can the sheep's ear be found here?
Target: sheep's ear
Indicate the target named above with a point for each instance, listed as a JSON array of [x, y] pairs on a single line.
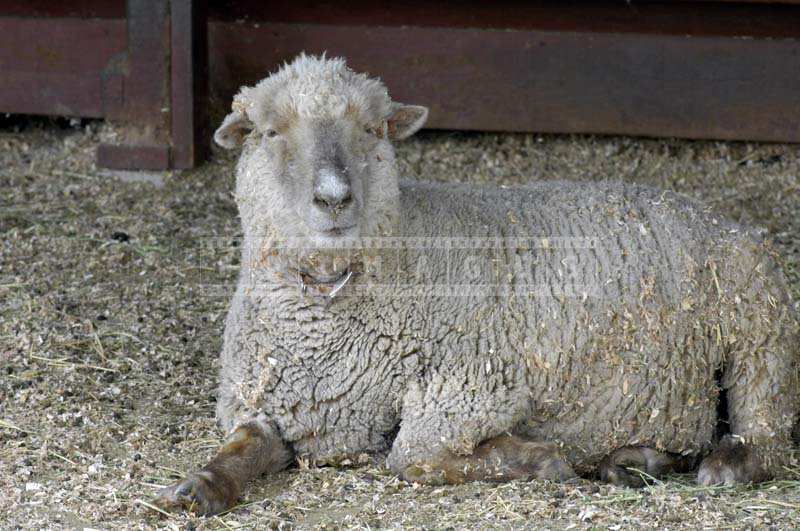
[[405, 120], [233, 129]]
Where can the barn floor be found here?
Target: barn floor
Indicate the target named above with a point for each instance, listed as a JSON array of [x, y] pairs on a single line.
[[112, 297]]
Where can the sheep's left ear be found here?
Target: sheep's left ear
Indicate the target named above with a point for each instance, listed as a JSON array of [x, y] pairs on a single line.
[[405, 120], [233, 129]]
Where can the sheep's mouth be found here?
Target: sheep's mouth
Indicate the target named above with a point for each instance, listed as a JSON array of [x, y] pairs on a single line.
[[336, 232], [328, 286]]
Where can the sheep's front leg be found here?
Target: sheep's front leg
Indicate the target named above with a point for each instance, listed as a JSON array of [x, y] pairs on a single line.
[[502, 458], [254, 448]]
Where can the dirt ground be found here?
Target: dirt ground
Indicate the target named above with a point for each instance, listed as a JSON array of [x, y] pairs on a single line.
[[113, 290]]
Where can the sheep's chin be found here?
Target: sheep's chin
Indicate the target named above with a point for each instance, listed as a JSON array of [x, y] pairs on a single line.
[[334, 236], [323, 264]]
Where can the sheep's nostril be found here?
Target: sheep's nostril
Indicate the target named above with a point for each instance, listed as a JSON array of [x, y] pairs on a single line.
[[331, 190], [331, 201]]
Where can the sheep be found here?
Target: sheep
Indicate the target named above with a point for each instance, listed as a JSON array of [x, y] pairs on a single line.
[[480, 333]]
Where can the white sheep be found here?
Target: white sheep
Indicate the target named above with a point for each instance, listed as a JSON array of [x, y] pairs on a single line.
[[604, 322]]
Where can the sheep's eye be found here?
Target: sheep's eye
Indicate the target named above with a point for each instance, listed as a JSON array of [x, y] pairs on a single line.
[[374, 131], [271, 133]]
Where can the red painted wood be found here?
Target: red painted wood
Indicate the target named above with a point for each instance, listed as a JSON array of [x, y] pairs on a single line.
[[55, 66]]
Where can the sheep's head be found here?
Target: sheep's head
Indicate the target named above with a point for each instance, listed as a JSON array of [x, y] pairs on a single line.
[[317, 160]]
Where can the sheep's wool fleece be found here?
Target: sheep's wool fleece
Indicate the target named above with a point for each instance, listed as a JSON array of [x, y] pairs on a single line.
[[678, 298]]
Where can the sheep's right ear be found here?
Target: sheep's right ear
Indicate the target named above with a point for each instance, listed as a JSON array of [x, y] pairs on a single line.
[[233, 129]]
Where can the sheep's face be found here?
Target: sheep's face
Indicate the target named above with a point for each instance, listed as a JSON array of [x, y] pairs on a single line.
[[319, 177], [324, 175], [317, 160]]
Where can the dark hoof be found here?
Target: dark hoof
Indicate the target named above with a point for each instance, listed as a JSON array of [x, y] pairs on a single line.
[[198, 493], [731, 463], [632, 466], [621, 476], [546, 462]]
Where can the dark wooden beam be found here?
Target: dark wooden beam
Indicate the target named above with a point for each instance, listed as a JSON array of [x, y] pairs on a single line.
[[652, 84], [57, 9], [652, 17], [189, 82]]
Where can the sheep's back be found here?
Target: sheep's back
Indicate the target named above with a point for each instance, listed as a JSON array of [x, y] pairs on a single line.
[[604, 240]]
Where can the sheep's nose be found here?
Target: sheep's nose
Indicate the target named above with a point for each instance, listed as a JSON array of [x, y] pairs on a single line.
[[331, 190]]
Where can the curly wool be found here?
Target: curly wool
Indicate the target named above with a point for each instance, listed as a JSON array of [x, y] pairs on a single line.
[[676, 300], [314, 87]]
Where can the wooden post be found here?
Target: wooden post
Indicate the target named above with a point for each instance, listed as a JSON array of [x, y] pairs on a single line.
[[163, 88]]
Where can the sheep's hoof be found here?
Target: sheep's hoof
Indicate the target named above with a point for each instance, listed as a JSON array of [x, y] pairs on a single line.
[[554, 469], [198, 493], [544, 461], [621, 475], [632, 466], [625, 467], [732, 462]]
